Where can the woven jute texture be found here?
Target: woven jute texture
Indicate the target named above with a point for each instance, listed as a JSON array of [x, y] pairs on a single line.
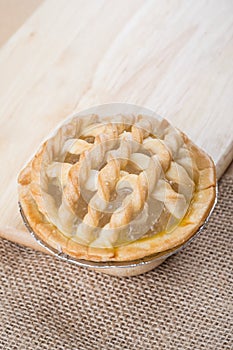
[[186, 303]]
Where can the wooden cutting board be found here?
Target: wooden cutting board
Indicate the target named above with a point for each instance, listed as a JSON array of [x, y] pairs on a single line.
[[173, 57]]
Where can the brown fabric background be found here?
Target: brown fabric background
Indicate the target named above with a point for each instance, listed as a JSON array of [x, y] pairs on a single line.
[[186, 303]]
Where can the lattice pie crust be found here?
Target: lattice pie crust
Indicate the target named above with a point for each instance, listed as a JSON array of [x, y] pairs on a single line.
[[117, 188]]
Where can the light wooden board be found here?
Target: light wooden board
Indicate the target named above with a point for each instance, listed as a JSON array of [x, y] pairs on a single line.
[[173, 57], [13, 14]]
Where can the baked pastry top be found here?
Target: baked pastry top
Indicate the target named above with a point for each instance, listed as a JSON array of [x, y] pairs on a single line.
[[117, 188]]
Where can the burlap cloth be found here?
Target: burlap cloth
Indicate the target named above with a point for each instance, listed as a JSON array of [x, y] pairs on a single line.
[[186, 303]]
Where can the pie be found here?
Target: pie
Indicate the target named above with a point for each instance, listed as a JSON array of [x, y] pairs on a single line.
[[117, 188]]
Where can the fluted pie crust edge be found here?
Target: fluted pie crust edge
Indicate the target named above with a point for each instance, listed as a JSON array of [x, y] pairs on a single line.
[[199, 209]]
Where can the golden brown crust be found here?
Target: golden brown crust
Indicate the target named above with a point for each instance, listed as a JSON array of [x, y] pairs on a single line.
[[24, 177], [198, 211]]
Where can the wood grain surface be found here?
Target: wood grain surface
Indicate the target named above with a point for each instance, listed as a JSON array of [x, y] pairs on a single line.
[[13, 14], [173, 57]]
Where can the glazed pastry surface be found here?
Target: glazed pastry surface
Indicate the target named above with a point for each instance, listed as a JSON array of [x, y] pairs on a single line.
[[117, 188]]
